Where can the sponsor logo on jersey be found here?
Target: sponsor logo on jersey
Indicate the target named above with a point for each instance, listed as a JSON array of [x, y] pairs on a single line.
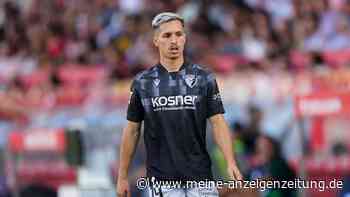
[[174, 102], [217, 97], [191, 80]]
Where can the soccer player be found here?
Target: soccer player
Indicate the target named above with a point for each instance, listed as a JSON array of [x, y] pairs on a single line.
[[174, 99]]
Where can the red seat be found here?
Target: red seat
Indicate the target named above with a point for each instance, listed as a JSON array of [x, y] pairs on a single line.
[[337, 59], [224, 63], [300, 60], [70, 95], [35, 78], [81, 75]]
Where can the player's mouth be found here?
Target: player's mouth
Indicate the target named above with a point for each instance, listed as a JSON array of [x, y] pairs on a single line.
[[174, 49]]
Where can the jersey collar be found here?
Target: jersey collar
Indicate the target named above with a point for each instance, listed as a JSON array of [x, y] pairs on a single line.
[[163, 69]]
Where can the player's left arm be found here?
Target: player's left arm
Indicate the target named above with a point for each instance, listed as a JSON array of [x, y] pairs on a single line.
[[223, 139], [221, 131]]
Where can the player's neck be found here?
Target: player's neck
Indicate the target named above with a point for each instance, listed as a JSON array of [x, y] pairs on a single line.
[[172, 65]]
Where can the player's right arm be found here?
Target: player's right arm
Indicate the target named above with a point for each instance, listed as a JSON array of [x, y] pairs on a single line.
[[130, 138]]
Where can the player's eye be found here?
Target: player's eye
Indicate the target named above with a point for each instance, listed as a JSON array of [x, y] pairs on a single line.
[[166, 35], [178, 34]]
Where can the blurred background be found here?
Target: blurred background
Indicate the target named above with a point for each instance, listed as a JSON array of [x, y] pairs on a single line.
[[66, 66]]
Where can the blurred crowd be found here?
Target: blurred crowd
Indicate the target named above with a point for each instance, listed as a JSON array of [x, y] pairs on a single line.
[[40, 40], [83, 53]]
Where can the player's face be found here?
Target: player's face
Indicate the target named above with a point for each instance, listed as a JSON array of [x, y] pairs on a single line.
[[170, 39]]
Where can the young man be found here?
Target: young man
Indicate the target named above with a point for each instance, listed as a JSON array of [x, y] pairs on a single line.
[[174, 99]]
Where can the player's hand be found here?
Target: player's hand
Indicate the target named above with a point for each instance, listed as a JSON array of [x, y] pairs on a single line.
[[234, 173], [123, 189]]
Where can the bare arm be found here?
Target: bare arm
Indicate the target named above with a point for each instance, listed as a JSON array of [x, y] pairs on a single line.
[[223, 139], [130, 139]]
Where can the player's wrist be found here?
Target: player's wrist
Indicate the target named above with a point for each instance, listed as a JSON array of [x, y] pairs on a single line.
[[122, 176], [231, 164]]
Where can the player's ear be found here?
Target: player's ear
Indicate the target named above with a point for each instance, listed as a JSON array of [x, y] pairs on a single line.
[[156, 35], [155, 39], [185, 36]]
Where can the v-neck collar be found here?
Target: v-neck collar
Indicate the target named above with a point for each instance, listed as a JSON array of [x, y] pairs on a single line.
[[163, 69]]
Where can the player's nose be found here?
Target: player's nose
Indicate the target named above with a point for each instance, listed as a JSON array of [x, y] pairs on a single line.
[[173, 40]]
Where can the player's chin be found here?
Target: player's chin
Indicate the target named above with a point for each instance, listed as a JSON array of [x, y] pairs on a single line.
[[174, 56]]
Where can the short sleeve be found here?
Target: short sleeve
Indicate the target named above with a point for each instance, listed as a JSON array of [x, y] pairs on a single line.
[[135, 110], [214, 102]]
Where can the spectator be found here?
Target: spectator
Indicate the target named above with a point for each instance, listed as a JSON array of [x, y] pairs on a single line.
[[270, 165]]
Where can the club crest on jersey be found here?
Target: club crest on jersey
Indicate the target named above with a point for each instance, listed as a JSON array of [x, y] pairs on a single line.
[[191, 80], [156, 82]]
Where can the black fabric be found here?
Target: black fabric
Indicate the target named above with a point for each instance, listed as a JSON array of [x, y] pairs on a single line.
[[174, 107]]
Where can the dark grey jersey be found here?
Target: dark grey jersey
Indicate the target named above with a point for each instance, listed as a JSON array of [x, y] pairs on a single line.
[[174, 107]]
